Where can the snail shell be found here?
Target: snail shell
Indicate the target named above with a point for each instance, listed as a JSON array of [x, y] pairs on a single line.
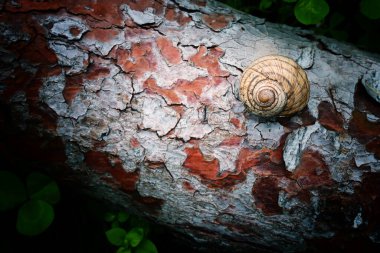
[[274, 86]]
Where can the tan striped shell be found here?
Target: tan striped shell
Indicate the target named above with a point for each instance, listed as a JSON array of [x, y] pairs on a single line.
[[274, 85]]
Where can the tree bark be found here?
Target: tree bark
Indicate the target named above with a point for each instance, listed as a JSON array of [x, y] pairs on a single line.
[[136, 98]]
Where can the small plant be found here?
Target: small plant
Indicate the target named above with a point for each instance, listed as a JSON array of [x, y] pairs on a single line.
[[36, 198], [129, 233], [354, 21], [307, 12]]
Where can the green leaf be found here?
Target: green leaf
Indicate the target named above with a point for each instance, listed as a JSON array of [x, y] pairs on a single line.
[[290, 1], [116, 236], [134, 236], [123, 250], [42, 187], [265, 4], [109, 217], [310, 12], [370, 8], [122, 216], [12, 191], [146, 246], [135, 221], [34, 217]]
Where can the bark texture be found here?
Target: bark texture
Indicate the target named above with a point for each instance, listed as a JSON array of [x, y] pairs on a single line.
[[137, 98]]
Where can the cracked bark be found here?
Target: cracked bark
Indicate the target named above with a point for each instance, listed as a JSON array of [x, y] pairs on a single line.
[[137, 101]]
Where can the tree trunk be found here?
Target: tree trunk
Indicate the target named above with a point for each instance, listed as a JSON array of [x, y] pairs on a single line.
[[136, 99]]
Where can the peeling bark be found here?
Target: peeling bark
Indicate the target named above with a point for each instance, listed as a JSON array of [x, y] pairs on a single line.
[[137, 98]]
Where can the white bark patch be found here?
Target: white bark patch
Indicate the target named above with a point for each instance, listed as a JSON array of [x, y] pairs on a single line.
[[364, 158], [295, 144], [146, 17], [205, 37], [157, 116], [79, 106], [119, 138], [51, 94], [63, 27], [191, 126], [218, 96], [74, 156], [115, 94], [266, 134], [358, 220], [306, 59], [371, 82], [70, 56], [188, 5], [167, 76], [155, 148]]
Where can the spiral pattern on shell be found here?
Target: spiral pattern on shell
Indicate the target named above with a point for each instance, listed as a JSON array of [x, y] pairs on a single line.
[[274, 86]]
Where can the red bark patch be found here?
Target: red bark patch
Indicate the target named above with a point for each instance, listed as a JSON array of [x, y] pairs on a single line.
[[374, 147], [293, 189], [201, 3], [138, 60], [365, 131], [208, 170], [101, 164], [307, 118], [266, 192], [232, 141], [217, 22], [209, 59], [102, 35], [236, 122], [191, 89], [154, 164], [28, 5], [101, 10], [263, 162], [288, 124], [39, 52], [312, 172], [329, 117], [98, 161], [197, 164], [142, 5], [364, 102], [361, 128], [126, 180], [186, 185], [174, 14], [171, 53], [17, 81], [72, 88], [151, 204], [134, 142], [75, 31]]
